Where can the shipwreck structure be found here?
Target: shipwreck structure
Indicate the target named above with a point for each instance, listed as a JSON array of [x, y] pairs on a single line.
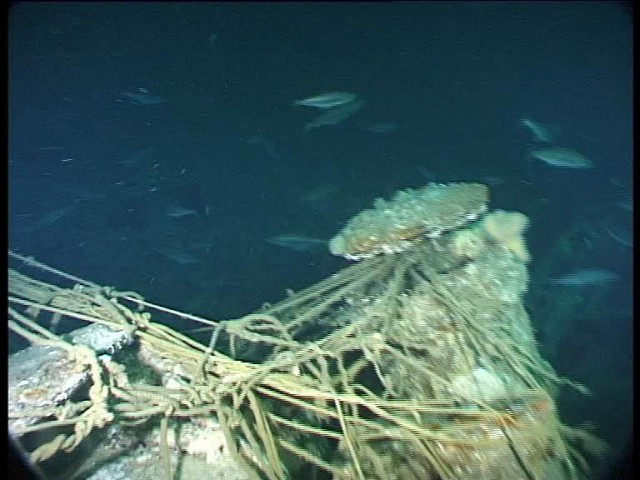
[[416, 362]]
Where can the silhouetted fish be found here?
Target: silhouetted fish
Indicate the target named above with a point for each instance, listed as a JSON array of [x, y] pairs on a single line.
[[620, 233], [382, 127], [181, 258], [301, 243], [590, 276], [143, 97], [51, 218], [176, 211], [321, 193], [266, 144], [626, 203]]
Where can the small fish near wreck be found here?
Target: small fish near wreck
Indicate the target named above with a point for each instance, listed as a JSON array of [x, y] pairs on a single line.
[[582, 278], [540, 132], [336, 106], [326, 100], [561, 157], [335, 115]]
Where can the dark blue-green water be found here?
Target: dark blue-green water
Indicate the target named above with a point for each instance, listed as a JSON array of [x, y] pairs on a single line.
[[155, 147]]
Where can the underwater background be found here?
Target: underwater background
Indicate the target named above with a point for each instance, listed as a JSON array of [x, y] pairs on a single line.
[[157, 148]]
